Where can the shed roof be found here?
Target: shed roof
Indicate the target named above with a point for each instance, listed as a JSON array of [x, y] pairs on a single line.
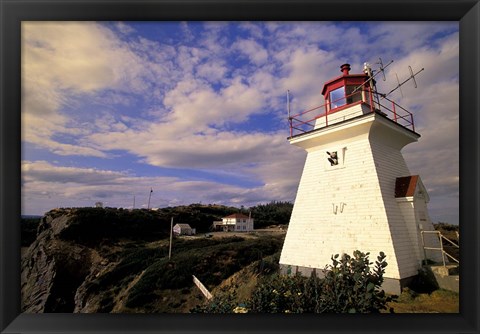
[[183, 226], [405, 186]]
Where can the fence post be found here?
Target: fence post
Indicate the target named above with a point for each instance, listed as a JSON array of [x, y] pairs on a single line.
[[423, 246], [441, 247]]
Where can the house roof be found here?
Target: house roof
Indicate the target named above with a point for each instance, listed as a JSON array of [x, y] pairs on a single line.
[[183, 225], [405, 186], [237, 215]]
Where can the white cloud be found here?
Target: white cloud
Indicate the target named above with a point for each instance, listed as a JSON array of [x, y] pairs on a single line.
[[253, 50], [66, 62], [186, 104], [45, 186], [212, 72]]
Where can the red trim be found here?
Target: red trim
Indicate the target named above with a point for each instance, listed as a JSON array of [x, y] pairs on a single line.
[[405, 186], [354, 79]]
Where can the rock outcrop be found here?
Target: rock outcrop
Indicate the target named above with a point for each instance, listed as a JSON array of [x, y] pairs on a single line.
[[53, 269]]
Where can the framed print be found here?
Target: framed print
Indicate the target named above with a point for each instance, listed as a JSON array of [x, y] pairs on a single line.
[[137, 108]]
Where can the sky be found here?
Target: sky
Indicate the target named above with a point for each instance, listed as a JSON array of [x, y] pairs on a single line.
[[197, 112]]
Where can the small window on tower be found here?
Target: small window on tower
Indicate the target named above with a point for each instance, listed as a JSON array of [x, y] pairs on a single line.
[[333, 158]]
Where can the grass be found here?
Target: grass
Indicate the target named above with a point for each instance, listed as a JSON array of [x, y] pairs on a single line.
[[210, 260], [438, 301]]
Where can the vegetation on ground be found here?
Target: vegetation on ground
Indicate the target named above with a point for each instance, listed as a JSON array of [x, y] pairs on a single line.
[[436, 301], [140, 277], [350, 285], [210, 260], [90, 225], [273, 213]]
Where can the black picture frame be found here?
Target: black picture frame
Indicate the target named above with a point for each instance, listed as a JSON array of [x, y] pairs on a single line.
[[13, 12]]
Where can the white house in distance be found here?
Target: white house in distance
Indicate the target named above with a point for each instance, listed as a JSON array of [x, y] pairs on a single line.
[[234, 223], [356, 191], [183, 229]]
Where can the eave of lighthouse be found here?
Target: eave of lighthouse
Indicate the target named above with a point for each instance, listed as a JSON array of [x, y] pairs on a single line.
[[355, 128]]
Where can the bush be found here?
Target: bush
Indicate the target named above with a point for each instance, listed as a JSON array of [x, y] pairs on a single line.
[[349, 286], [224, 302]]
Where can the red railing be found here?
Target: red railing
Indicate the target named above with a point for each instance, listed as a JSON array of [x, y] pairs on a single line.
[[305, 121]]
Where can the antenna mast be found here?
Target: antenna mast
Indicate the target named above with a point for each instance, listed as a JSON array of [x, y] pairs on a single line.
[[368, 70], [412, 77], [288, 103], [382, 69]]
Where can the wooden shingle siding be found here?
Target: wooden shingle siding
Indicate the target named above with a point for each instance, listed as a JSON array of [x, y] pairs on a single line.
[[352, 205]]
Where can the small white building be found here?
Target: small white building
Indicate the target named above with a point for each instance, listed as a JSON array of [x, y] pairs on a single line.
[[183, 229], [234, 223]]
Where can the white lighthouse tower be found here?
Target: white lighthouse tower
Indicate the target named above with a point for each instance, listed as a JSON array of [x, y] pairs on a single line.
[[356, 192]]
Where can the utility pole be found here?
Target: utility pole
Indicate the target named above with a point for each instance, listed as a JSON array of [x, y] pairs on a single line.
[[171, 235], [149, 196]]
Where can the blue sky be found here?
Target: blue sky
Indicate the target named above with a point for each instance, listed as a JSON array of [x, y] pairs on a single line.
[[197, 110]]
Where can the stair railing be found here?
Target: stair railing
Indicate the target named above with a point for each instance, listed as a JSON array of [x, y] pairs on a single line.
[[441, 237]]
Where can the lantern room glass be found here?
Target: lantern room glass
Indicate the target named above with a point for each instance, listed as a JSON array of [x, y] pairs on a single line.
[[337, 98]]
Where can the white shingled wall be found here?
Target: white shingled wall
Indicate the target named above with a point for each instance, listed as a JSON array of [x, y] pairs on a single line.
[[406, 205], [350, 206]]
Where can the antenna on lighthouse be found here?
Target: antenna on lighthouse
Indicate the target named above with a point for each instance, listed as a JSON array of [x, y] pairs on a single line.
[[367, 69], [412, 77], [288, 103], [399, 86], [382, 69]]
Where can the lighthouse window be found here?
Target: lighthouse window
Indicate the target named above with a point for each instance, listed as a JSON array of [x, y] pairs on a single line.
[[337, 98], [352, 95], [332, 158]]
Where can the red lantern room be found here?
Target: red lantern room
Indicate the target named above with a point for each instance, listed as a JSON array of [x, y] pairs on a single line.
[[346, 97], [346, 90]]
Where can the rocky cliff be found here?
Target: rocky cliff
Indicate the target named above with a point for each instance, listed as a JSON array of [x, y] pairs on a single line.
[[53, 269], [72, 248], [94, 260]]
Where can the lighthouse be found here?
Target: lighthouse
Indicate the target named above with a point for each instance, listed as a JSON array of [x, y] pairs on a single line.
[[356, 191]]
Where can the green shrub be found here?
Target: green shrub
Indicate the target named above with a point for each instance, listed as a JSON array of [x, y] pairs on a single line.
[[349, 285], [224, 302]]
